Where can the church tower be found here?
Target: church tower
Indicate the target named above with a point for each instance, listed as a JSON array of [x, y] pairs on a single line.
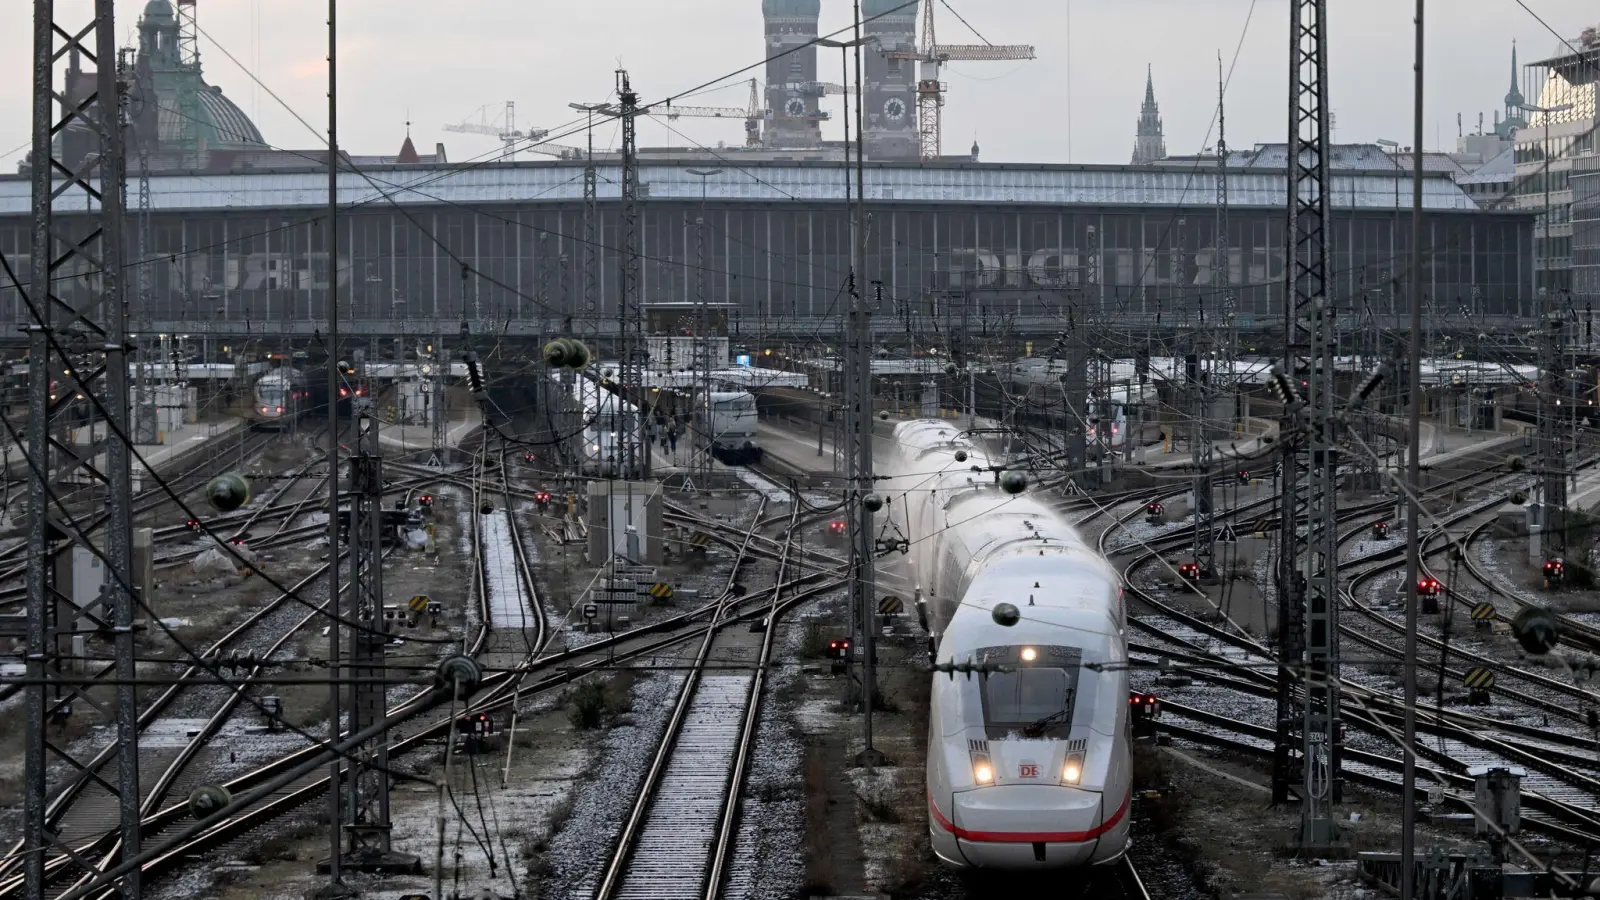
[[1149, 146], [890, 94], [1515, 117], [792, 89]]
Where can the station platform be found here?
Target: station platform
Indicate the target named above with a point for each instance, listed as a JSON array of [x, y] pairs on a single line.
[[184, 440], [175, 445], [788, 451], [416, 438], [1442, 445], [1249, 445]]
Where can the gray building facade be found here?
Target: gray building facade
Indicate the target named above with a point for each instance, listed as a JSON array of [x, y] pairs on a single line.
[[495, 244]]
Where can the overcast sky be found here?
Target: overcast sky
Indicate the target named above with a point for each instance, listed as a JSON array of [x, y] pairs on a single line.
[[439, 61]]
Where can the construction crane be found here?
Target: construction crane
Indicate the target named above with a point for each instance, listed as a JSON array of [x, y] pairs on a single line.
[[507, 133], [818, 88], [930, 90], [752, 115]]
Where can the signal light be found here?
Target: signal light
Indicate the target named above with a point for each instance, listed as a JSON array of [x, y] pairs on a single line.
[[1244, 476], [1555, 571], [1380, 530], [839, 648], [1189, 571], [343, 393], [836, 527], [1154, 508], [425, 500], [192, 524], [1428, 587]]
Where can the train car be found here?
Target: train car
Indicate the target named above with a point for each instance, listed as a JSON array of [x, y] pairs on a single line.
[[1029, 766], [277, 399], [603, 450], [730, 421], [286, 395]]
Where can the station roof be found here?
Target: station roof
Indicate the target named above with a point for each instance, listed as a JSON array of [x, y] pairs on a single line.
[[764, 182]]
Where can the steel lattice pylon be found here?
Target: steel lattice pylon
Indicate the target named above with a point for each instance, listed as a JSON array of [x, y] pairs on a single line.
[[1552, 454], [366, 808], [635, 462], [77, 333], [1308, 563]]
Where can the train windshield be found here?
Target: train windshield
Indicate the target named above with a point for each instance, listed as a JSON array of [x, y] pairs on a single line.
[[272, 394], [1035, 698]]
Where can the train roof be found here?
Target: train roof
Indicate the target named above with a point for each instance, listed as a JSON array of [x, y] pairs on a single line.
[[1062, 598]]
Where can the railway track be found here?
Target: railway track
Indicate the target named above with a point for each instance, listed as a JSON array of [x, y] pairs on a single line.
[[208, 689], [1561, 789], [680, 834], [425, 724]]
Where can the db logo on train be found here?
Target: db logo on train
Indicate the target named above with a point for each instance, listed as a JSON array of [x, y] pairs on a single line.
[[1028, 770]]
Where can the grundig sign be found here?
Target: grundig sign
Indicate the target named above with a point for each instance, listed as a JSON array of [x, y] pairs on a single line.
[[1060, 268]]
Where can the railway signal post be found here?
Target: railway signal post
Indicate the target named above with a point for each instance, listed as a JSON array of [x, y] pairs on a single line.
[[76, 327]]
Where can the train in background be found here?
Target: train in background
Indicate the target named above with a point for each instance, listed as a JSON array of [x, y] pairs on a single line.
[[723, 422], [1029, 763], [603, 449], [285, 395], [730, 428]]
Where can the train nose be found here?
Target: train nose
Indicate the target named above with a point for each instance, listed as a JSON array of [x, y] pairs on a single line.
[[1028, 827]]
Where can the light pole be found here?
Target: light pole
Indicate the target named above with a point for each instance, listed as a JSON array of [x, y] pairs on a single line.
[[858, 400], [1394, 230], [1547, 112], [703, 325]]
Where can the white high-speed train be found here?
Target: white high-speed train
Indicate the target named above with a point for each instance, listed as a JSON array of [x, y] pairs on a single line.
[[1028, 768]]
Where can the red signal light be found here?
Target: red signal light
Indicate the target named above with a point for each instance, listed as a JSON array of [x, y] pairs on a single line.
[[1428, 586], [192, 524], [839, 648], [836, 527]]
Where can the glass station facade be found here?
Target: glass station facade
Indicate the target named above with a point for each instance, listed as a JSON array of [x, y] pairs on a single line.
[[789, 260]]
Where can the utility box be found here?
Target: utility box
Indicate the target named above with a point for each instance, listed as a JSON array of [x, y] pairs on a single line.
[[1498, 800], [625, 521], [81, 574]]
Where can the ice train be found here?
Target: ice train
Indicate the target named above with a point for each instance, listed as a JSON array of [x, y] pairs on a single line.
[[1029, 765]]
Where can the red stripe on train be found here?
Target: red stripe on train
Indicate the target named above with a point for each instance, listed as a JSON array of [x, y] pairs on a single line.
[[1029, 837]]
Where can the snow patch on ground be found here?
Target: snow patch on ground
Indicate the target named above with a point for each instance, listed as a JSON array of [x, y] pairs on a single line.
[[509, 605], [1132, 534]]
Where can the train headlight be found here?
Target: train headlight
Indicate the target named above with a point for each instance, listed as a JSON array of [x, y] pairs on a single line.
[[1072, 769], [1029, 654], [982, 771]]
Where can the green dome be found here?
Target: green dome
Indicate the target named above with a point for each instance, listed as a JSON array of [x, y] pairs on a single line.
[[794, 8], [159, 9], [870, 8]]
